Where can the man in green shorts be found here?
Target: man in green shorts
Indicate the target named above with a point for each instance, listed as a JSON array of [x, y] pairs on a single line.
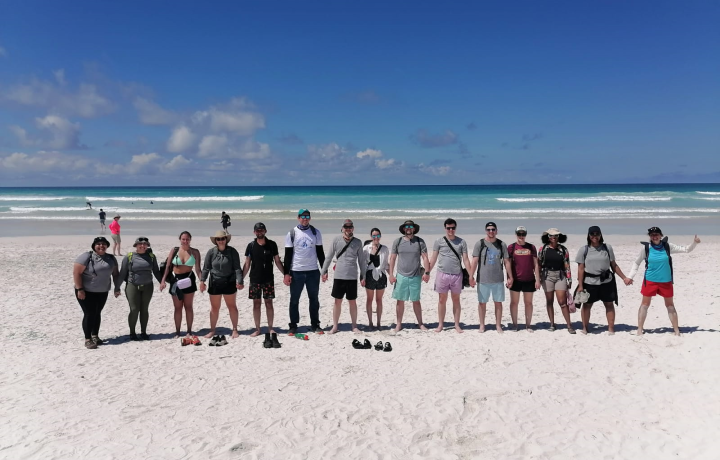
[[409, 251]]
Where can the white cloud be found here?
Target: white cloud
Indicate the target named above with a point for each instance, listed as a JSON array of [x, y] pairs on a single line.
[[55, 133], [176, 163], [57, 98], [141, 162], [387, 163], [325, 152], [213, 146], [369, 153], [151, 113], [434, 170], [181, 139], [42, 161]]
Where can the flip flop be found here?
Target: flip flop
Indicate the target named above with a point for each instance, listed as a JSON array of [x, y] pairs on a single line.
[[388, 347], [357, 345], [367, 345], [196, 341], [186, 341], [379, 346]]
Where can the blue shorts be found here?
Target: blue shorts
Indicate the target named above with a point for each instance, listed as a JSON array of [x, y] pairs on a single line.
[[407, 288], [497, 290]]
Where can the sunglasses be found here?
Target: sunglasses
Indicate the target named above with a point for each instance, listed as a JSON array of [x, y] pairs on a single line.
[[450, 228], [409, 226], [376, 236], [102, 243], [304, 217], [491, 229], [521, 234], [594, 234], [655, 235], [553, 236], [221, 239], [348, 226]]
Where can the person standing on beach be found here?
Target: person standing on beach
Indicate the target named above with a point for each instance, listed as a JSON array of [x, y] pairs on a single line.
[[450, 252], [376, 262], [138, 269], [115, 234], [658, 274], [304, 255], [489, 256], [413, 265], [522, 266], [102, 215], [223, 267], [260, 255], [596, 269], [555, 274], [93, 272], [180, 261], [349, 251], [225, 221]]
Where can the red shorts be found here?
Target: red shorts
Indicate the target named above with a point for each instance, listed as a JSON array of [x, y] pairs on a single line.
[[651, 289]]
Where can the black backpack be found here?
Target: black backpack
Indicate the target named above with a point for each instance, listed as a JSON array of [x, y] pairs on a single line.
[[498, 245]]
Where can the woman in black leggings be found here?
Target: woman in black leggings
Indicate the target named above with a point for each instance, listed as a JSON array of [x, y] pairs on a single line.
[[92, 272]]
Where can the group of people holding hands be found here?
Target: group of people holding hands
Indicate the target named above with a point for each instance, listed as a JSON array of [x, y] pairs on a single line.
[[405, 263]]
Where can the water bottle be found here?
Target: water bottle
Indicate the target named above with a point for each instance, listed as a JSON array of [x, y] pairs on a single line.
[[302, 336]]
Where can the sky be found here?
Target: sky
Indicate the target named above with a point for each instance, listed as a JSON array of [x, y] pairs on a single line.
[[332, 93]]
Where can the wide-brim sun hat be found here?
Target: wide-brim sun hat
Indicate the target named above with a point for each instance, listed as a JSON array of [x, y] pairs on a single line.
[[117, 216], [416, 228], [553, 231], [220, 234], [99, 239]]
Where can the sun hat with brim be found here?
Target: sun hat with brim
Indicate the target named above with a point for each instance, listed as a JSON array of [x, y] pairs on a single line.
[[416, 228], [553, 231], [117, 216], [99, 239], [144, 240], [220, 234]]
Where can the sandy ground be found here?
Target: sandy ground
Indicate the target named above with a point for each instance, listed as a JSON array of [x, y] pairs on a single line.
[[512, 395]]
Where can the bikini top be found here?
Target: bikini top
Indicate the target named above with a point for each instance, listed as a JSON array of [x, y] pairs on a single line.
[[189, 263]]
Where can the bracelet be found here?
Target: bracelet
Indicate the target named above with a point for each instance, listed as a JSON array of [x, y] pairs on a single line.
[[79, 289]]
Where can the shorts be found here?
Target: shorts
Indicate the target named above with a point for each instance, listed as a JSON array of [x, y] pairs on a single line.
[[102, 221], [651, 289], [523, 286], [193, 286], [497, 290], [116, 238], [554, 280], [407, 288], [264, 290], [228, 287], [445, 282], [600, 292], [344, 288], [373, 285]]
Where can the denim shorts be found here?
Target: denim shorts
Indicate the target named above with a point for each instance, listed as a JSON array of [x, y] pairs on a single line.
[[407, 288], [497, 290]]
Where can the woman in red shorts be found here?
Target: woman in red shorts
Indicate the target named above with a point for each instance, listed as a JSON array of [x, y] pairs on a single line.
[[657, 255]]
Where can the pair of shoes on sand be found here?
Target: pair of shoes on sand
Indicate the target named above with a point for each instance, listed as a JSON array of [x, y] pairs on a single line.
[[218, 341], [143, 336], [271, 341], [366, 345], [93, 342], [190, 340]]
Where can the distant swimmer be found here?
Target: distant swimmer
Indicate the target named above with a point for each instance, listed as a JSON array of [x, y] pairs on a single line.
[[151, 202], [89, 205], [225, 221]]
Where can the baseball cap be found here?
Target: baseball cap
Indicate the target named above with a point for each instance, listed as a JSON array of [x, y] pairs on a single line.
[[303, 211], [259, 226], [520, 229]]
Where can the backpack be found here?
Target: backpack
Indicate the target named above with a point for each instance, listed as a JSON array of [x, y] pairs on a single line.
[[541, 254], [666, 246], [397, 243], [604, 275], [498, 245], [130, 262], [170, 278]]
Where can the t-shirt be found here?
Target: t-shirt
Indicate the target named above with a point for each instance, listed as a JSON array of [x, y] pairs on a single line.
[[225, 218], [102, 215], [304, 252], [554, 260], [523, 261], [490, 268], [447, 262], [139, 269], [98, 271], [658, 269], [262, 258], [597, 261], [347, 264], [408, 255]]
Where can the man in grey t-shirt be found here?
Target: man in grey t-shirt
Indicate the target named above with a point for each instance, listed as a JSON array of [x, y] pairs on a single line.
[[448, 252], [349, 252], [408, 251], [490, 255]]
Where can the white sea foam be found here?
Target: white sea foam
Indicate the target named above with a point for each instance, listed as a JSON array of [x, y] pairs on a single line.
[[586, 199], [34, 198], [109, 209], [709, 193], [175, 198]]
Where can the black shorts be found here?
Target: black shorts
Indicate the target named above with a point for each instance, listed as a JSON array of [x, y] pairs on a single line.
[[344, 288], [373, 285], [266, 290], [523, 286], [603, 292], [222, 286], [193, 286]]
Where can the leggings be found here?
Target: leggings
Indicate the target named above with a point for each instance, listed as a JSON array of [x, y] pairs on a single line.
[[139, 300], [92, 306]]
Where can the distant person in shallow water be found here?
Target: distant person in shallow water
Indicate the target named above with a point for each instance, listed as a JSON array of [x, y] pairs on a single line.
[[89, 205], [225, 221], [658, 274], [102, 216]]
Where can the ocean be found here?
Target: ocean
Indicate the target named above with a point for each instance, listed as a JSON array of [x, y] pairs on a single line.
[[547, 202]]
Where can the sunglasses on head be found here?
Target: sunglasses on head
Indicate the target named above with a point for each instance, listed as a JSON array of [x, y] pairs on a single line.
[[521, 234], [143, 240], [222, 238], [491, 229], [376, 236], [450, 228]]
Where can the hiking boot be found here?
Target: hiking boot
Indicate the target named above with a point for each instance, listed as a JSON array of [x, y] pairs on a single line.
[[292, 330], [274, 340], [144, 336], [97, 340], [90, 345], [317, 329], [134, 337]]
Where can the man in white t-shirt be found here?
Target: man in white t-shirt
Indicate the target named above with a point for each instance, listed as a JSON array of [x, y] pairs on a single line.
[[304, 255]]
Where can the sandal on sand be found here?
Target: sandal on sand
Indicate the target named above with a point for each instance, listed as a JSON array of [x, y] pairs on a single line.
[[357, 345], [367, 345], [90, 345], [379, 346], [195, 341], [572, 331], [186, 341], [388, 347]]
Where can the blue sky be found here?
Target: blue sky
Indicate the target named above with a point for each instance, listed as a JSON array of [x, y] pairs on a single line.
[[276, 92]]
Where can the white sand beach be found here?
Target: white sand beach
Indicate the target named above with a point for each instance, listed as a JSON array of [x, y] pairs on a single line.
[[515, 395]]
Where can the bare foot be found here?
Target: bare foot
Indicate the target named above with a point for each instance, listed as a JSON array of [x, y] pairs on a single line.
[[371, 327], [499, 329], [676, 334], [482, 329], [439, 329], [423, 328], [516, 327], [529, 329], [209, 335], [235, 334], [255, 333], [398, 328], [459, 330], [639, 332], [584, 331], [356, 330], [333, 330], [271, 331]]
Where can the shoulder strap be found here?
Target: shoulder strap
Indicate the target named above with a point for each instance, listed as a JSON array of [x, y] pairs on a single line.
[[452, 249], [342, 251], [587, 248], [511, 252]]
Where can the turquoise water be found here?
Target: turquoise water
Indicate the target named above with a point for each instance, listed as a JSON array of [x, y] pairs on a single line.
[[667, 201]]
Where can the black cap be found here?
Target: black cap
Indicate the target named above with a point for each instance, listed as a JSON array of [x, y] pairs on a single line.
[[654, 230], [259, 226], [99, 239], [491, 224], [594, 229]]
